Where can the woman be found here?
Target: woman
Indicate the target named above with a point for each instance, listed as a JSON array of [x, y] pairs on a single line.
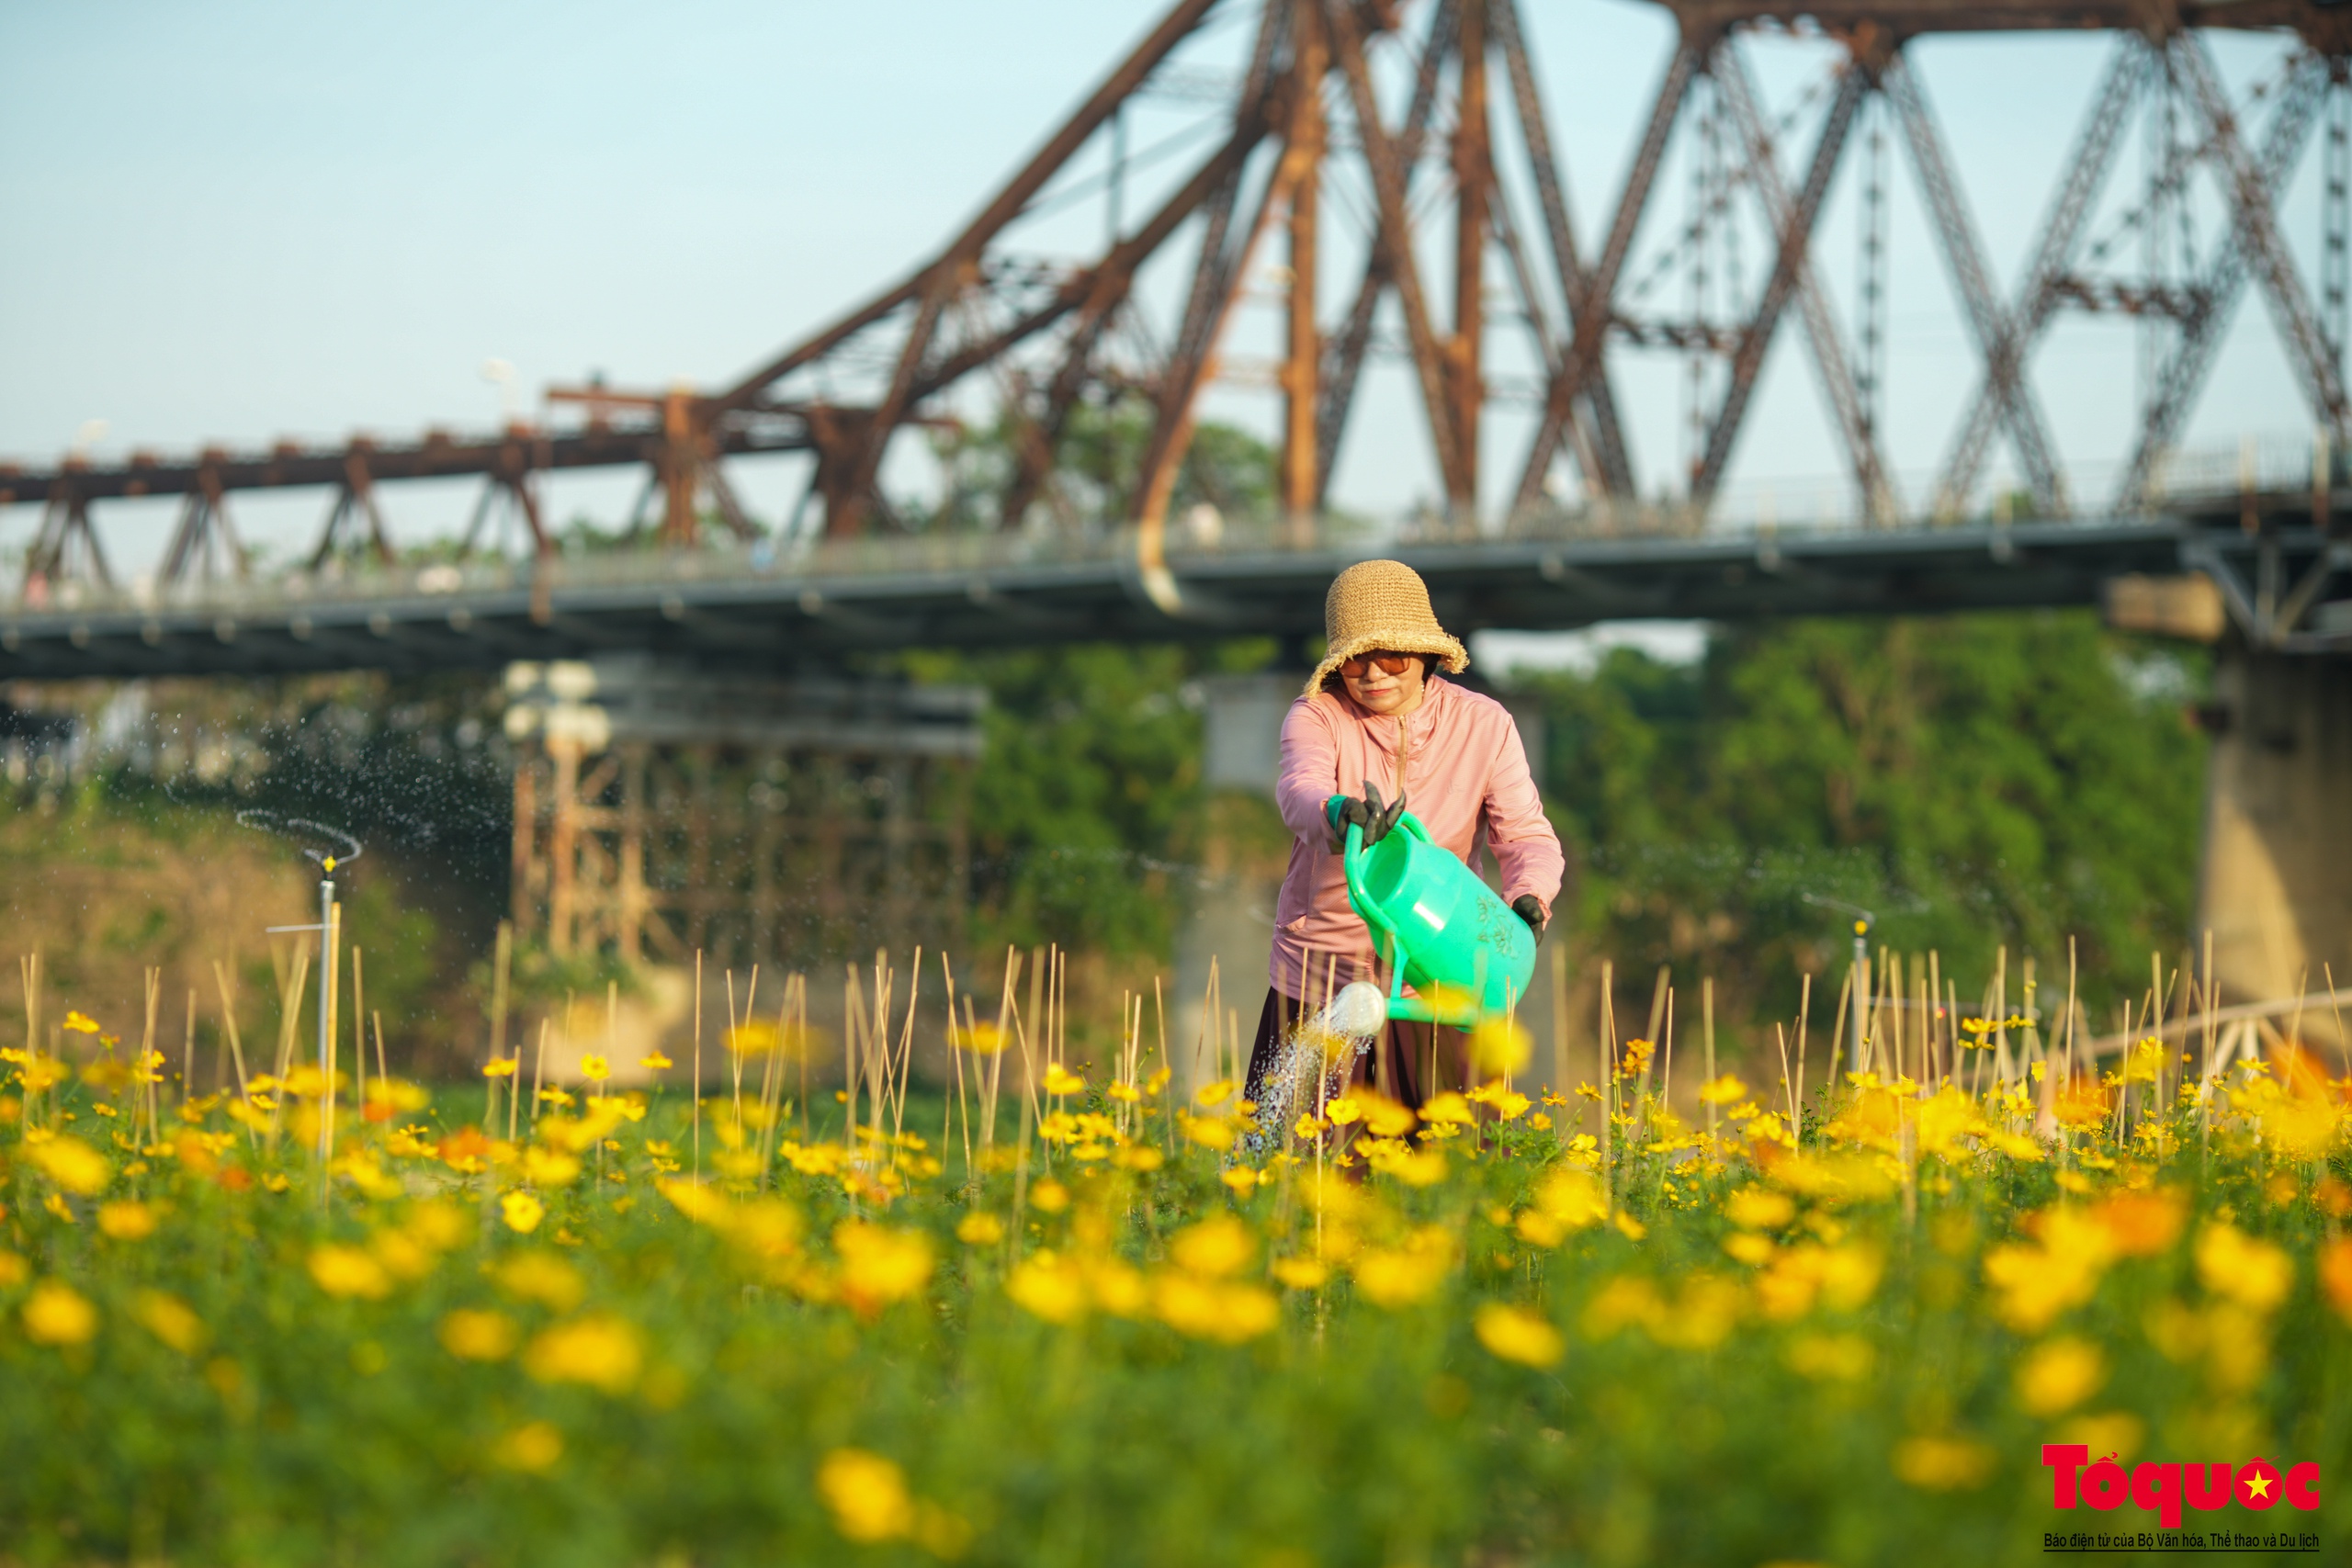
[[1377, 727]]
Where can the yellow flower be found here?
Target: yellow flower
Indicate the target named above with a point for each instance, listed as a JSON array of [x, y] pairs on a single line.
[[2255, 1274], [2060, 1375], [80, 1023], [1049, 1197], [1302, 1273], [503, 1067], [349, 1271], [600, 1350], [978, 1229], [1943, 1464], [1725, 1090], [1343, 1110], [478, 1334], [1209, 1132], [1500, 1045], [549, 1167], [533, 1445], [1401, 1276], [14, 1270], [983, 1040], [57, 1314], [127, 1220], [866, 1496], [1048, 1287], [1414, 1167], [1216, 1093], [1515, 1334], [1385, 1118], [1214, 1249], [522, 1212], [72, 1165], [1448, 1107], [1225, 1311], [595, 1070], [1759, 1209], [880, 1265], [655, 1063], [1059, 1081], [170, 1320], [544, 1278]]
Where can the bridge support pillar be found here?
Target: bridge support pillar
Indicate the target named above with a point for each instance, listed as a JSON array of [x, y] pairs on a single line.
[[2276, 887]]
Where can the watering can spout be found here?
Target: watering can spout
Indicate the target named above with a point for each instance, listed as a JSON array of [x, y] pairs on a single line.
[[1445, 933]]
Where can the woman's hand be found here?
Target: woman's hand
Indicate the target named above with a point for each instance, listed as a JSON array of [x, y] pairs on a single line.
[[1529, 908], [1369, 814]]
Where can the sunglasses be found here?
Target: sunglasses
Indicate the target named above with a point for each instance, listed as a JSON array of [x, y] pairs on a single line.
[[1390, 664]]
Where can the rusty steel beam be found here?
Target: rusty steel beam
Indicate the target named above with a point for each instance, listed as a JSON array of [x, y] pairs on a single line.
[[1611, 469], [1474, 181], [1217, 275], [1988, 322], [2182, 374], [1310, 61], [203, 528], [1114, 89], [1106, 287], [1345, 348], [2256, 226], [354, 508], [1395, 237], [64, 530], [1792, 220], [1552, 351], [2082, 173], [1592, 323], [2321, 22]]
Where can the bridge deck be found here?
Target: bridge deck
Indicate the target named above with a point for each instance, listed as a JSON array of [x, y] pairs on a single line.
[[983, 591]]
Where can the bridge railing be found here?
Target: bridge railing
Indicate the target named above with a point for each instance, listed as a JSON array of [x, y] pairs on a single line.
[[2273, 467]]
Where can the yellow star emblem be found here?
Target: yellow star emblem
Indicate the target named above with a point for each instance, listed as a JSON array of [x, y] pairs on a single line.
[[2259, 1485]]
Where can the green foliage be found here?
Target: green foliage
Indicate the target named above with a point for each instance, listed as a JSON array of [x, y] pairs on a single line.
[[1085, 804], [2021, 778]]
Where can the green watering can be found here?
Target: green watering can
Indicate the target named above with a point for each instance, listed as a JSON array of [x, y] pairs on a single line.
[[1444, 932]]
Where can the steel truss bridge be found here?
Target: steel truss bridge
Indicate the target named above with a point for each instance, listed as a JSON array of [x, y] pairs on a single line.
[[1469, 273]]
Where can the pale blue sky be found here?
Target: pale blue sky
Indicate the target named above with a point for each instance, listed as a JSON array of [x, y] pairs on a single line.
[[236, 221]]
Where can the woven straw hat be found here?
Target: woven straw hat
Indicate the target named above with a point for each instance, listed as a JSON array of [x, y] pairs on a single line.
[[1378, 606]]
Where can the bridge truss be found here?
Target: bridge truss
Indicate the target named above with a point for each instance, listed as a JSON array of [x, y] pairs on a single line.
[[1425, 125]]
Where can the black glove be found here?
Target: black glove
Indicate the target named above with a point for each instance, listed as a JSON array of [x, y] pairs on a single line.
[[1529, 908], [1341, 810], [1369, 814]]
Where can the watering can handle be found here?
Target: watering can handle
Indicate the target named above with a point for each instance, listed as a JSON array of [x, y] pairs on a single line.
[[1351, 861]]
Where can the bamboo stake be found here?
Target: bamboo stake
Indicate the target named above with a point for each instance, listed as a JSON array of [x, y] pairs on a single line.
[[1607, 1045], [358, 1035], [1804, 1018], [188, 1052], [229, 1027], [539, 1062], [143, 1103], [697, 1112], [1788, 1092], [290, 1004], [1707, 1014]]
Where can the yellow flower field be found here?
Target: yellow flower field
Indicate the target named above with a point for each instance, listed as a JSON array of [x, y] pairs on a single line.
[[1050, 1316]]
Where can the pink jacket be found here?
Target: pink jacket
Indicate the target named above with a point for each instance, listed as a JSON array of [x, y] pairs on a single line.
[[1465, 777]]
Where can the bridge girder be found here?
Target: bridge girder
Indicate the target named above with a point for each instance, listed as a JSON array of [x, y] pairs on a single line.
[[1307, 105]]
